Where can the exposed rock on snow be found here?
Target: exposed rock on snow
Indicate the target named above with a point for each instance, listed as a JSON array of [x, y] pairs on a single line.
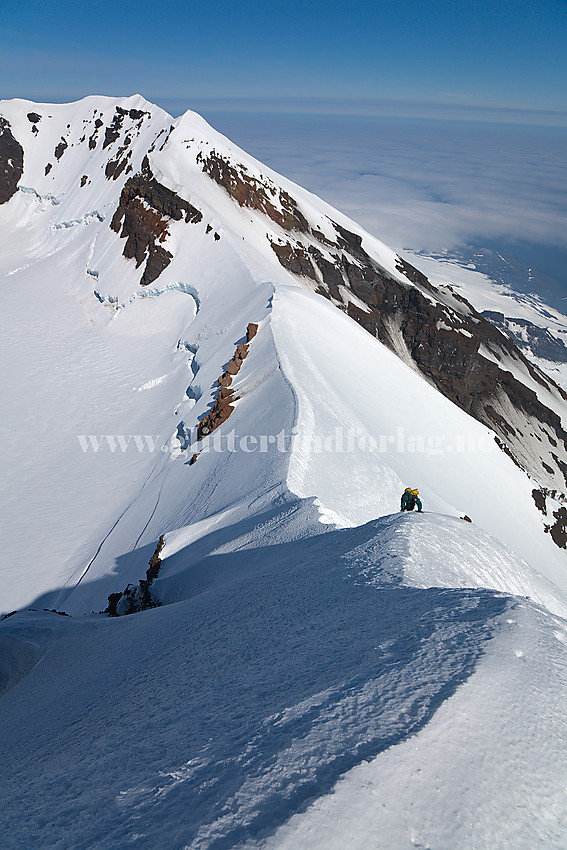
[[134, 599], [60, 149], [254, 192], [94, 136], [144, 212], [294, 259], [34, 118], [222, 407], [539, 499], [112, 132], [558, 530], [11, 162]]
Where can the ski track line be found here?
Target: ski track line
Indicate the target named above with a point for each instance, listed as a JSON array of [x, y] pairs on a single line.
[[61, 600]]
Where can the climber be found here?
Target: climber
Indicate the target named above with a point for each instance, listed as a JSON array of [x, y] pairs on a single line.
[[410, 499]]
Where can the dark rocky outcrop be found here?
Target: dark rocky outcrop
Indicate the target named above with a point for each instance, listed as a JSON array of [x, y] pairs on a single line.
[[144, 212], [219, 412], [34, 118], [539, 499], [152, 147], [94, 137], [558, 530], [166, 140], [456, 348], [331, 273], [11, 162], [115, 167], [222, 406], [294, 258], [413, 274], [5, 616], [251, 332], [113, 130], [60, 149], [137, 597], [255, 194], [84, 179], [48, 168]]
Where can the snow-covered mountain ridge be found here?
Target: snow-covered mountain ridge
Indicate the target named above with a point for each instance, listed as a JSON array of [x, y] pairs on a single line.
[[154, 206], [180, 395], [435, 331]]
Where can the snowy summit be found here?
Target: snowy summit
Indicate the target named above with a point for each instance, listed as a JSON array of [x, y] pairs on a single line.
[[219, 629]]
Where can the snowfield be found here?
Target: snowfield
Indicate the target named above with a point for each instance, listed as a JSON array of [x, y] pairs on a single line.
[[322, 671], [290, 664]]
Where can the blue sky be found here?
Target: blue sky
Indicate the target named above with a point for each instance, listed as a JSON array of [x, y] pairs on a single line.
[[497, 58]]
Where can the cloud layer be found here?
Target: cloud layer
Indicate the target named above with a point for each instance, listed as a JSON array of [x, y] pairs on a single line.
[[417, 184]]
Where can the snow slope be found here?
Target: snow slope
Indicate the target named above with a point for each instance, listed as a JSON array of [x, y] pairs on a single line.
[[307, 634], [370, 392], [487, 771], [211, 722]]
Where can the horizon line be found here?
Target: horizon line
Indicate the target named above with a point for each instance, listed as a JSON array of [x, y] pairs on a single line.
[[354, 107]]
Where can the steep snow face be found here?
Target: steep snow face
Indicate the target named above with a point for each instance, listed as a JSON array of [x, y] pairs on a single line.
[[368, 426], [136, 251]]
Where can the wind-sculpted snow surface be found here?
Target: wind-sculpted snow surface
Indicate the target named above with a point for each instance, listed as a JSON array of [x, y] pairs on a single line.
[[488, 771], [209, 723]]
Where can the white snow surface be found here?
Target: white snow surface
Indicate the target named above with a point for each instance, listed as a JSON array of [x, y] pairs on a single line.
[[291, 663], [323, 671]]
